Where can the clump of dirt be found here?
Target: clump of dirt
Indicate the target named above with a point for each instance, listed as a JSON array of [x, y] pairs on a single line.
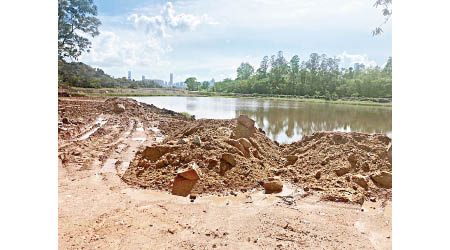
[[344, 166], [232, 156]]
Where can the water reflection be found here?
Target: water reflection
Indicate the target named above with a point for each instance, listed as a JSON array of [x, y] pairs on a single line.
[[284, 121]]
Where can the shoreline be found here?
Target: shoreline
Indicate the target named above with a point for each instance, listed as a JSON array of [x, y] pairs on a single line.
[[111, 92]]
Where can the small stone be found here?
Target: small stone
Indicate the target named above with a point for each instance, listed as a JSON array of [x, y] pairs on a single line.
[[373, 199], [291, 159], [274, 186], [197, 140], [118, 108], [181, 141], [193, 196], [341, 171], [318, 175], [361, 180]]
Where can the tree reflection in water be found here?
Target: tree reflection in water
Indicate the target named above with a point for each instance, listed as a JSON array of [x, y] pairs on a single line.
[[284, 121], [287, 121]]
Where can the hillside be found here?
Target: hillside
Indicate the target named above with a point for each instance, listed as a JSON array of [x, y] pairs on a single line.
[[78, 74]]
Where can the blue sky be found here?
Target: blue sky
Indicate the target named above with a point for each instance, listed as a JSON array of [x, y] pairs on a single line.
[[209, 39]]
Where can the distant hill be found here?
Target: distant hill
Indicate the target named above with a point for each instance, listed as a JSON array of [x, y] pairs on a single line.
[[78, 74]]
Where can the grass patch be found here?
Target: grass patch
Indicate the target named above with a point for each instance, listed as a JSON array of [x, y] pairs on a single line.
[[161, 92], [187, 115]]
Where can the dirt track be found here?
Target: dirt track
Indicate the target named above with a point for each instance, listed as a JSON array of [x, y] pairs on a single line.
[[97, 209]]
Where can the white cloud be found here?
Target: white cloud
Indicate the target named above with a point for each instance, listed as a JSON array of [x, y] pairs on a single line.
[[157, 39], [167, 21], [120, 53], [348, 60]]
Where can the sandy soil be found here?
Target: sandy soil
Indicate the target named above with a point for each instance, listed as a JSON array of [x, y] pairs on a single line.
[[98, 209]]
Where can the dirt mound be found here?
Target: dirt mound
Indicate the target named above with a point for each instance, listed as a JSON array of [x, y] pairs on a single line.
[[344, 166], [232, 156], [227, 162]]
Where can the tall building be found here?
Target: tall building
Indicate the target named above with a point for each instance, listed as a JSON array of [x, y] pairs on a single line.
[[211, 83], [171, 79], [129, 75], [143, 78]]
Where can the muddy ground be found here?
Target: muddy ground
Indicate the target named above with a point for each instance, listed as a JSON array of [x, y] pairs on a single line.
[[115, 191]]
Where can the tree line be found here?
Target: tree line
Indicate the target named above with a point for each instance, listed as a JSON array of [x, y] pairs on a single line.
[[318, 76], [78, 74]]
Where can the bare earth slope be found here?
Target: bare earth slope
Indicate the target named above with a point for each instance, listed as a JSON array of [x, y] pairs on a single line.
[[118, 160]]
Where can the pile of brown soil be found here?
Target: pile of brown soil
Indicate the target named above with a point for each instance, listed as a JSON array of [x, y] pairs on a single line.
[[232, 156], [227, 160], [344, 166]]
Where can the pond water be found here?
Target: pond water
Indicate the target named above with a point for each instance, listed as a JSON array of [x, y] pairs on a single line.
[[283, 121]]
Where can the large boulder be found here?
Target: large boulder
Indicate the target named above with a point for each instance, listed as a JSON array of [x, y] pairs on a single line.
[[245, 127], [382, 179], [185, 180], [245, 121]]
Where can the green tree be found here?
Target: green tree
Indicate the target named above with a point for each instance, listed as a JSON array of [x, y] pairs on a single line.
[[192, 84], [76, 19], [245, 71], [205, 85], [264, 66], [388, 67]]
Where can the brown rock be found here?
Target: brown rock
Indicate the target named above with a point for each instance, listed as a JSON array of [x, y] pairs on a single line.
[[318, 175], [342, 170], [245, 127], [155, 152], [273, 186], [237, 145], [161, 163], [361, 180], [197, 140], [229, 158], [185, 180], [382, 179], [291, 159], [118, 108], [244, 142], [212, 163], [247, 122]]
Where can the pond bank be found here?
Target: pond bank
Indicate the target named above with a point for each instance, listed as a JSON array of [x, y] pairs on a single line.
[[113, 92]]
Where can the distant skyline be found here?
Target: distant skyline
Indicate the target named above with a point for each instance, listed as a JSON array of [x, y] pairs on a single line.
[[209, 39]]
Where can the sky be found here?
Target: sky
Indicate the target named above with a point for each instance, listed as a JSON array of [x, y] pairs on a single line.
[[210, 39]]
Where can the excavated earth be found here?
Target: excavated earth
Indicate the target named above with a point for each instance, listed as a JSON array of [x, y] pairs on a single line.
[[233, 158], [121, 160]]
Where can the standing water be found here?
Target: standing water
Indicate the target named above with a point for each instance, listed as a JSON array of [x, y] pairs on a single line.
[[283, 121]]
